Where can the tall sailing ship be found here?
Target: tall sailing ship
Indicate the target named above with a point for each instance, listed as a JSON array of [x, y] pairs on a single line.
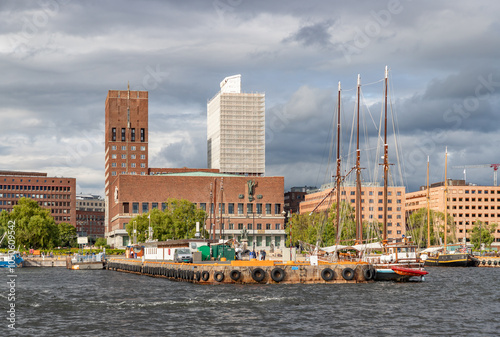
[[400, 261], [441, 256]]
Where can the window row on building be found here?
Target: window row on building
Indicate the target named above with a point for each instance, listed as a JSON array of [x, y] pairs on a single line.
[[389, 232], [132, 135], [84, 203], [35, 188], [478, 191], [473, 215], [113, 173], [380, 193], [474, 199], [259, 208], [132, 148], [133, 165], [380, 201], [250, 226], [124, 156], [34, 196]]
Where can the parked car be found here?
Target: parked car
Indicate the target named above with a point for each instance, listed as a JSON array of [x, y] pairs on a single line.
[[183, 255]]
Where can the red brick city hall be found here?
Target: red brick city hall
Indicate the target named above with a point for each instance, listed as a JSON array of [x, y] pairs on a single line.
[[251, 203]]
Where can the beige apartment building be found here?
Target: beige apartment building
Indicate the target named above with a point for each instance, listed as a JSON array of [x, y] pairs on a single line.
[[372, 202], [466, 203]]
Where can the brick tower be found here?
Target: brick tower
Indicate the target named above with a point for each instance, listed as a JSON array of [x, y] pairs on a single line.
[[126, 140]]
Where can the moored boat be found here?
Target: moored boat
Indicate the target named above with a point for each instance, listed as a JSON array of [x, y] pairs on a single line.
[[9, 260], [439, 257]]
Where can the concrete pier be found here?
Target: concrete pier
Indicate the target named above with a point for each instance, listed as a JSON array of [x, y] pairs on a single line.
[[489, 262], [59, 261], [249, 272]]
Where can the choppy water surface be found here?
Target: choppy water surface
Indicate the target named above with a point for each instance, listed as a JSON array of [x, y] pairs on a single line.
[[61, 302]]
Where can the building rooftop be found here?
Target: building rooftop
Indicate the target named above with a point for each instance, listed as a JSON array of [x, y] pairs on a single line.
[[201, 174]]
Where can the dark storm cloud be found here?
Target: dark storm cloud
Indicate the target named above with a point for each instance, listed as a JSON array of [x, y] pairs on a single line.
[[315, 34]]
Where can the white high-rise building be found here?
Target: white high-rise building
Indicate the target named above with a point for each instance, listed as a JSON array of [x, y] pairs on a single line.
[[236, 139]]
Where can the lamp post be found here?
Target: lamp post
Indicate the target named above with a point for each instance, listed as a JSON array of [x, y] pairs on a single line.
[[135, 233], [253, 229], [480, 237], [290, 239], [286, 216]]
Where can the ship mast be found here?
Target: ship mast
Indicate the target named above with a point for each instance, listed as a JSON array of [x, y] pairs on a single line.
[[338, 168], [428, 208], [359, 226], [213, 209], [445, 197], [386, 163]]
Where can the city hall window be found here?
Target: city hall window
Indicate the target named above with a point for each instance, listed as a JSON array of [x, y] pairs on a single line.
[[142, 134], [268, 208], [132, 136], [123, 134], [113, 134]]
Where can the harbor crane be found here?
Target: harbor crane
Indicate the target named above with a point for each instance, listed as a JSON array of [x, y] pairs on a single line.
[[494, 166]]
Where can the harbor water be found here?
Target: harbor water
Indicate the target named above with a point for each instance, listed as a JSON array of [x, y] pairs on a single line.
[[62, 302]]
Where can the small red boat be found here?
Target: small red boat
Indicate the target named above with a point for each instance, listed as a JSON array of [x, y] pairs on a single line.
[[409, 271]]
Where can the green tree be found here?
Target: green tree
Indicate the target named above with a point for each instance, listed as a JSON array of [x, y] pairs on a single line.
[[321, 229], [101, 242], [482, 233], [34, 226], [347, 224], [183, 216], [141, 223], [307, 228], [67, 235], [178, 221], [417, 227]]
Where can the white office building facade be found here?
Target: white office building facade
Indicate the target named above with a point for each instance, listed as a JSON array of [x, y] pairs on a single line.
[[236, 130]]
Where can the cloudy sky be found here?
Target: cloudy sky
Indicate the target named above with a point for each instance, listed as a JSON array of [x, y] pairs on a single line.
[[58, 59]]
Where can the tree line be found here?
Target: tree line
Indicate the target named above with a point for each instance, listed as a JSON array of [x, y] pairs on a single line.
[[176, 221], [34, 227], [320, 228]]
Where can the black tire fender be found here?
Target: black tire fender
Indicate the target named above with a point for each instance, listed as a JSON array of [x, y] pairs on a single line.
[[277, 274], [258, 274], [348, 274], [219, 276], [235, 275], [369, 273], [327, 274]]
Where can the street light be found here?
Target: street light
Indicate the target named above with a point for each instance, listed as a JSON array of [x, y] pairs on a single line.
[[287, 216], [253, 229]]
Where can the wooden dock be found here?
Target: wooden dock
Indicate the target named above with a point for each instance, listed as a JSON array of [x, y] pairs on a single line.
[[249, 272]]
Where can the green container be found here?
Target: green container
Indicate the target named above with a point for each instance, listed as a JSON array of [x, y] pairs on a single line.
[[229, 253], [220, 251], [205, 253]]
